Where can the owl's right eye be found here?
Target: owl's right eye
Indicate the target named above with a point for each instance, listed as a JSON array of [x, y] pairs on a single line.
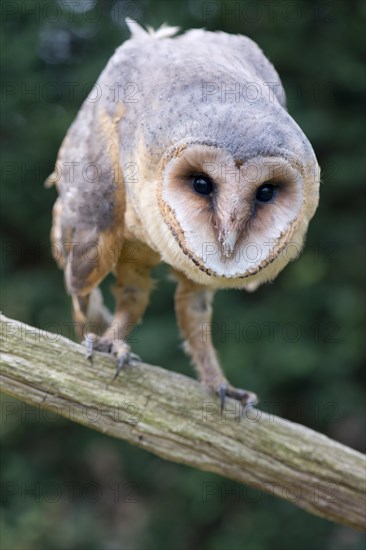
[[265, 193], [203, 185]]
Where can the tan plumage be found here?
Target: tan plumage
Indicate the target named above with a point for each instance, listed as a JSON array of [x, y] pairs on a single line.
[[172, 163]]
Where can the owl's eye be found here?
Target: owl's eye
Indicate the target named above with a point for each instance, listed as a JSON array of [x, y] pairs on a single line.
[[265, 192], [203, 185]]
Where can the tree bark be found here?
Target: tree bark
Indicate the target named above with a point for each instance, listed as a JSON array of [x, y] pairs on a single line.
[[177, 419]]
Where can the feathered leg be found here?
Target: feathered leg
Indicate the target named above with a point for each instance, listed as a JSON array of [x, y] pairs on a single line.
[[194, 316]]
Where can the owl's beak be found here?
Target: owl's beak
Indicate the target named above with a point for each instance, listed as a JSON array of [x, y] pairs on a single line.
[[228, 241]]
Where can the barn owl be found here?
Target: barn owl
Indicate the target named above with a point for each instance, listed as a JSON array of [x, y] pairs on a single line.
[[183, 153]]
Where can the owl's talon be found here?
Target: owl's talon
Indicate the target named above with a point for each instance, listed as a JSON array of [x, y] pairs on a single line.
[[88, 342], [244, 397], [118, 349], [251, 402], [222, 395], [89, 351], [121, 362]]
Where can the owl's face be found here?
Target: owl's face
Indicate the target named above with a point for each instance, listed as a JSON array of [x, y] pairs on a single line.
[[236, 222]]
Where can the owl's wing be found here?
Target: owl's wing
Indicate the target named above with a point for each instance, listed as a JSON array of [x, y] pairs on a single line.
[[88, 215]]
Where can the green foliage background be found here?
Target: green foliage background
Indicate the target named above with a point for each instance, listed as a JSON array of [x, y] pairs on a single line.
[[315, 378]]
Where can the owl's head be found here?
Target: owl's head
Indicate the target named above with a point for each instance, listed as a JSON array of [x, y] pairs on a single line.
[[237, 222]]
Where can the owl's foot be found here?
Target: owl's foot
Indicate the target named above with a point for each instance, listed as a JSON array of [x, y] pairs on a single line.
[[119, 349], [224, 389], [245, 397]]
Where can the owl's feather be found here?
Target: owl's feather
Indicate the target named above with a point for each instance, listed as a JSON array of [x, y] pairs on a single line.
[[137, 31]]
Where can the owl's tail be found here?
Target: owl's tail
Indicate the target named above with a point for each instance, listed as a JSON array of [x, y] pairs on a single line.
[[90, 314]]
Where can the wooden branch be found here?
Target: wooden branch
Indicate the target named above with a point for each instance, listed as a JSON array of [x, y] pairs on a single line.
[[177, 419]]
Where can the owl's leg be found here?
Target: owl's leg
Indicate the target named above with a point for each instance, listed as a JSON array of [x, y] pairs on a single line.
[[194, 315], [90, 312], [132, 290]]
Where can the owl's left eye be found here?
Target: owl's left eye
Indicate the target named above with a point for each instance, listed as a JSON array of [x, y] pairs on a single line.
[[203, 185]]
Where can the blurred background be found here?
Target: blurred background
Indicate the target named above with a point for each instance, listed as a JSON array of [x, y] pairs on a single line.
[[301, 339]]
